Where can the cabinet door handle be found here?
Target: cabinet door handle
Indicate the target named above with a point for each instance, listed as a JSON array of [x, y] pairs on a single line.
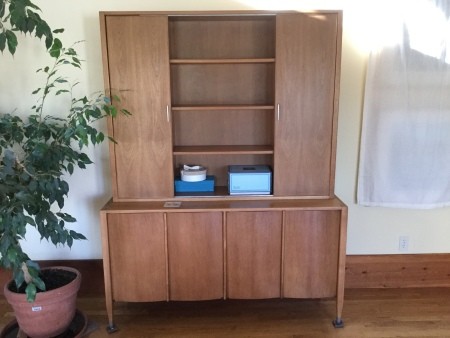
[[167, 113], [278, 112]]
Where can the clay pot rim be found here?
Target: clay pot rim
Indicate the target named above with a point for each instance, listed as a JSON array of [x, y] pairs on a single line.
[[44, 294]]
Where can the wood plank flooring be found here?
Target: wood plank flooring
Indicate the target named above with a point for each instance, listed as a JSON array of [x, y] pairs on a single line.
[[408, 313]]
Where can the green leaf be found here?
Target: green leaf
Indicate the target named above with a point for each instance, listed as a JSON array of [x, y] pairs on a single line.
[[70, 168], [66, 217], [106, 109], [60, 201], [125, 112], [76, 235], [55, 50], [2, 8], [39, 283], [30, 220], [113, 111], [32, 5], [69, 241], [31, 292], [2, 41], [84, 158], [48, 40], [19, 278], [33, 265], [55, 239], [34, 273], [59, 30], [30, 25], [32, 186], [12, 254], [112, 140], [100, 137], [61, 91], [12, 41], [64, 187], [75, 65]]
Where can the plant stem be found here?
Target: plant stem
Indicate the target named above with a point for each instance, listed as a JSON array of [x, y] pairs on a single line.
[[26, 274]]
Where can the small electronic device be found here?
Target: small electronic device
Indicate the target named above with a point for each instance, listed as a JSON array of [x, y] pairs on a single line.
[[249, 180]]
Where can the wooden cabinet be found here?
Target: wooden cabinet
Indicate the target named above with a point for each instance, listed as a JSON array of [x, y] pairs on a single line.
[[254, 254], [195, 252], [220, 89]]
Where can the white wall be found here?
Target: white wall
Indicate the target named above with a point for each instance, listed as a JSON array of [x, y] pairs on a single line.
[[370, 230]]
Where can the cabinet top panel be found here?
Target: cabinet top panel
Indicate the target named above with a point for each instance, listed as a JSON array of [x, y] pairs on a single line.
[[224, 205], [214, 13]]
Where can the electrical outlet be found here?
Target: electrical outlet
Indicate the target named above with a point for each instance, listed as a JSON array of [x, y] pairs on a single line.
[[403, 243]]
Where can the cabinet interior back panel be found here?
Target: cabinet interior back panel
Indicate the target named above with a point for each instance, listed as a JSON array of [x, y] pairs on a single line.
[[222, 84], [222, 37], [223, 127]]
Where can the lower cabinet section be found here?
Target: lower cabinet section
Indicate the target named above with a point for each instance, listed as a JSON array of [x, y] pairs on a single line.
[[291, 249]]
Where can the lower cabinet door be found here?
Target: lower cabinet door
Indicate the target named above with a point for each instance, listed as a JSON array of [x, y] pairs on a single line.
[[253, 244], [137, 257], [195, 250], [311, 248]]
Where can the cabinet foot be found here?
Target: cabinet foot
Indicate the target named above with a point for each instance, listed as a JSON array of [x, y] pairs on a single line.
[[111, 328], [338, 323]]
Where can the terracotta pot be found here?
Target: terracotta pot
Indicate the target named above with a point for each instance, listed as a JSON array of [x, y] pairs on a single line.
[[52, 311]]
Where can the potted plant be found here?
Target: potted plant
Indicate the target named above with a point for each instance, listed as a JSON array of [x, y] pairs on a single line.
[[36, 153]]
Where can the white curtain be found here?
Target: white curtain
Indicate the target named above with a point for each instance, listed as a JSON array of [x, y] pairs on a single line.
[[405, 145]]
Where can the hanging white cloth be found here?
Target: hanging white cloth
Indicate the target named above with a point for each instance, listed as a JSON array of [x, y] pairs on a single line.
[[405, 144]]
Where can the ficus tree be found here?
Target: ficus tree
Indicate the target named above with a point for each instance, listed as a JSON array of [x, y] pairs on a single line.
[[38, 151]]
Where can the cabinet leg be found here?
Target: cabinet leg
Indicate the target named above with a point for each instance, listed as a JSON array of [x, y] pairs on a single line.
[[338, 323], [111, 328]]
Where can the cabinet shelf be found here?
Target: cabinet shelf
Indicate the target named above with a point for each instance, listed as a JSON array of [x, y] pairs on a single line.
[[219, 192], [223, 107], [222, 61], [222, 150]]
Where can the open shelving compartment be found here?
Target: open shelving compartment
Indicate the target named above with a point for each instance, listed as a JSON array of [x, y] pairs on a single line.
[[222, 92]]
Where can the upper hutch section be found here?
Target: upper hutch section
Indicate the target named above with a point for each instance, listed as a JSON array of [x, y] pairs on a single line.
[[219, 89]]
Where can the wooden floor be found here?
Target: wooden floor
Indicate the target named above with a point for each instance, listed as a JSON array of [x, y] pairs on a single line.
[[367, 313]]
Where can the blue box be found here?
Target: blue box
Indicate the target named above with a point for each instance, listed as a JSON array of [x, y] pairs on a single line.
[[249, 180], [201, 186]]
